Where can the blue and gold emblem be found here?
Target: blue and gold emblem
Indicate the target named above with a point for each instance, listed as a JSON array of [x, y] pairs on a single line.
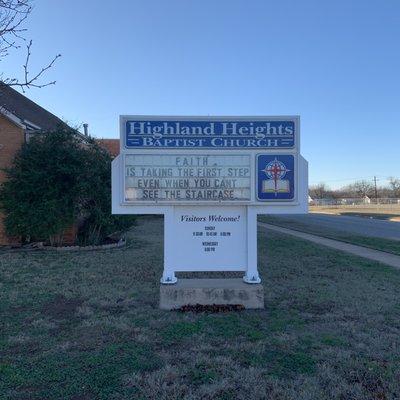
[[275, 177]]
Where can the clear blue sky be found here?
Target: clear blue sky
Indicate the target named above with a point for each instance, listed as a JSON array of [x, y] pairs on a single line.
[[335, 63]]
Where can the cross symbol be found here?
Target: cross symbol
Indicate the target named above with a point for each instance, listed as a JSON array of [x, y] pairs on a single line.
[[276, 171]]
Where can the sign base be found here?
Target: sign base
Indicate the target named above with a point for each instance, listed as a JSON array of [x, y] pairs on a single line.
[[231, 291], [170, 279], [252, 279]]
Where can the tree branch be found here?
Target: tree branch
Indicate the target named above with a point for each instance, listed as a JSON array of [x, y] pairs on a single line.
[[28, 82], [13, 14]]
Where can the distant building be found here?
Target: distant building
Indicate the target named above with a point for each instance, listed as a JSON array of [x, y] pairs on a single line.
[[111, 145], [366, 200]]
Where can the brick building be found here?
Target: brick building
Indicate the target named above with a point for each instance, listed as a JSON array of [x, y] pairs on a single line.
[[20, 118], [111, 145]]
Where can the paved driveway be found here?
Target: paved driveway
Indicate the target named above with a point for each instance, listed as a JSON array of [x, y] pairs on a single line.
[[358, 225]]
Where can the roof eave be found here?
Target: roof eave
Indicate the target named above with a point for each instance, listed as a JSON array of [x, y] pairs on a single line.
[[12, 117]]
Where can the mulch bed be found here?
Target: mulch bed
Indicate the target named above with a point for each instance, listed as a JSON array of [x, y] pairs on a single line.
[[211, 308]]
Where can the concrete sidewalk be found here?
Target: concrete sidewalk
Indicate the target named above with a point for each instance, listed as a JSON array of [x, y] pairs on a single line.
[[375, 255]]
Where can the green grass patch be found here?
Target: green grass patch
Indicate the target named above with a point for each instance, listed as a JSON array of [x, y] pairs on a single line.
[[203, 374], [214, 326], [178, 331], [390, 246], [280, 361], [281, 320], [288, 364], [97, 372], [332, 340]]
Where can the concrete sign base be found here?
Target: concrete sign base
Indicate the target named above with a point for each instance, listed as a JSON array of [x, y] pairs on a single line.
[[211, 291]]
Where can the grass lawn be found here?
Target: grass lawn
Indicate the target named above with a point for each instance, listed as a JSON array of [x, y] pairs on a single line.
[[381, 211], [390, 246], [87, 326], [376, 215]]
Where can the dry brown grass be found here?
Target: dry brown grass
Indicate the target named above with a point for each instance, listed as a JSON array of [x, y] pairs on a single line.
[[87, 326]]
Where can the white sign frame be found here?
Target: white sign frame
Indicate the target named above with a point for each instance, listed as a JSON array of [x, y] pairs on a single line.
[[299, 205]]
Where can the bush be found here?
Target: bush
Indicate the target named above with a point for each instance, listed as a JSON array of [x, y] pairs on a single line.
[[96, 201], [57, 179]]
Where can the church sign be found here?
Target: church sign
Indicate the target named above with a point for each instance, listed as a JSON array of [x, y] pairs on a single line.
[[209, 177], [211, 134]]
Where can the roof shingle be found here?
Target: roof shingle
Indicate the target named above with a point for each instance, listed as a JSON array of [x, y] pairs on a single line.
[[27, 110]]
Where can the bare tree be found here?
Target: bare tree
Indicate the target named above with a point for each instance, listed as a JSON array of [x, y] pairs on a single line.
[[13, 14], [394, 184], [360, 189], [319, 191]]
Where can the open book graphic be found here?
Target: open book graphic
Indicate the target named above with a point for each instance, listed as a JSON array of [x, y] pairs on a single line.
[[278, 186]]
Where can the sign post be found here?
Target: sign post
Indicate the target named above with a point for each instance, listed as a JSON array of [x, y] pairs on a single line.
[[210, 177]]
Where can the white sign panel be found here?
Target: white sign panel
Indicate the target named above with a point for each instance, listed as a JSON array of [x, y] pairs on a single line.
[[217, 236], [187, 178]]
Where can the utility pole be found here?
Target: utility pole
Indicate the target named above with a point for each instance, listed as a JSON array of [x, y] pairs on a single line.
[[376, 191]]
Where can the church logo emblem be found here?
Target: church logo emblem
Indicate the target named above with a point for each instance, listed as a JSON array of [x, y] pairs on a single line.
[[275, 174]]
